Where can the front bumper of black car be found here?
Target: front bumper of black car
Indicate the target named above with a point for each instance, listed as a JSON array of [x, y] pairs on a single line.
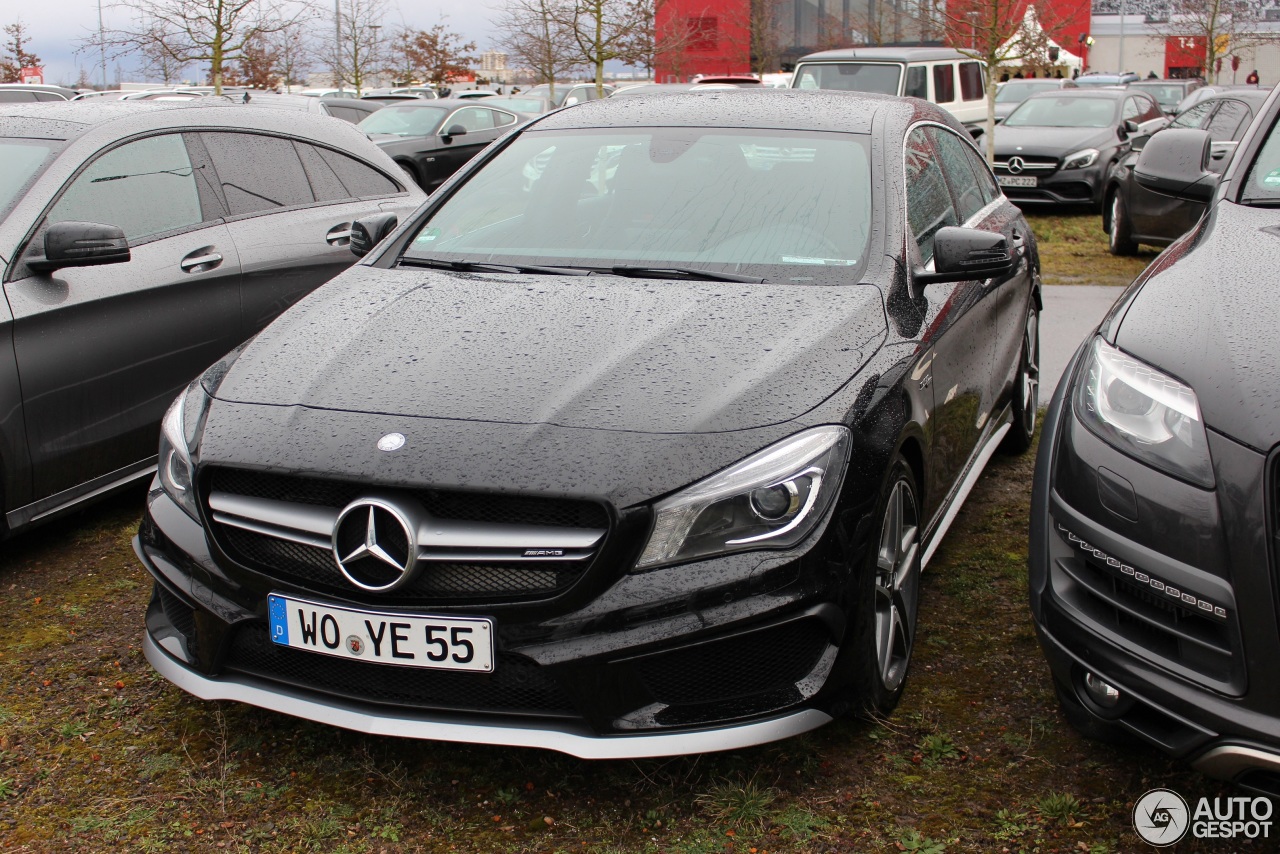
[[718, 654], [1163, 591], [1059, 187]]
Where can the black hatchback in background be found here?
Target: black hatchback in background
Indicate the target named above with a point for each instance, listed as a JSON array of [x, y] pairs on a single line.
[[1154, 561], [633, 442], [139, 241]]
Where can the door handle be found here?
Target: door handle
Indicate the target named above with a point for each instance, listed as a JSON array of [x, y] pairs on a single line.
[[205, 258], [339, 235]]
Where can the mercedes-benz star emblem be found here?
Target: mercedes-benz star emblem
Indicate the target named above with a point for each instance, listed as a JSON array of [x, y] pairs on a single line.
[[391, 442], [375, 545], [1016, 165]]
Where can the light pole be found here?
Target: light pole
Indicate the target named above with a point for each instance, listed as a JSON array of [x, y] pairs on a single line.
[[102, 48], [1121, 62], [337, 45], [373, 48]]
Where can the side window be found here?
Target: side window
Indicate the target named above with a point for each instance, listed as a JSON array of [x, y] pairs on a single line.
[[986, 181], [1228, 123], [257, 173], [917, 82], [1133, 109], [971, 81], [1149, 110], [472, 118], [959, 172], [347, 114], [145, 187], [944, 83], [360, 179], [1195, 116], [501, 119], [928, 201]]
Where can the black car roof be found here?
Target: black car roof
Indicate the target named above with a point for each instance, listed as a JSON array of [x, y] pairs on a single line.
[[799, 109], [115, 119], [1111, 93]]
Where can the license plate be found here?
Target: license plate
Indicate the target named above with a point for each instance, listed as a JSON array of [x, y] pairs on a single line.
[[445, 643], [1016, 180]]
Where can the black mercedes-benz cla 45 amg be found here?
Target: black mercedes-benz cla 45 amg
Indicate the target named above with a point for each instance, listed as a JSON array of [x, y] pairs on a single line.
[[632, 441], [1153, 568]]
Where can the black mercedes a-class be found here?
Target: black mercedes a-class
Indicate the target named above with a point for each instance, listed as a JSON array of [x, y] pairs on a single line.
[[1153, 569], [632, 441]]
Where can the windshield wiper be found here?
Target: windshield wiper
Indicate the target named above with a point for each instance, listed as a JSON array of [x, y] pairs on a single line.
[[485, 267], [638, 272]]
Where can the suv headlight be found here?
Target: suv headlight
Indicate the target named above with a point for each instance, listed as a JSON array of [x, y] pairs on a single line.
[[1143, 413], [177, 434], [1081, 159], [770, 500]]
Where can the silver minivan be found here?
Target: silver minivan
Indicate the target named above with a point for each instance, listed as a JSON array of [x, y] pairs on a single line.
[[939, 74]]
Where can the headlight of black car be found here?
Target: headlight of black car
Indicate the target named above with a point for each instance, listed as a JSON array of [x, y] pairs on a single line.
[[1144, 413], [771, 500], [177, 434]]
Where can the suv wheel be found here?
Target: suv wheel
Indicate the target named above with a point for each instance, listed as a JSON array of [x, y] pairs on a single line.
[[1119, 237]]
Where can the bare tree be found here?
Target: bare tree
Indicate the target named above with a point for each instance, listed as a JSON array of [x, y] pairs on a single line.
[[155, 63], [602, 32], [354, 56], [16, 56], [998, 32], [294, 53], [766, 34], [531, 32], [212, 31], [1222, 26]]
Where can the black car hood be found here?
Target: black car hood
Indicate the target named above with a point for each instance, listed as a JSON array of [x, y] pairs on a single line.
[[1209, 316], [1050, 142], [605, 353]]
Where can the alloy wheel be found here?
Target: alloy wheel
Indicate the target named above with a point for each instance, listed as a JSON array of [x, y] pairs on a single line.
[[1031, 372], [897, 585]]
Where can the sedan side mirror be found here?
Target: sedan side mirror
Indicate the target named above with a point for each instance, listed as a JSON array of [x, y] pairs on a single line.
[[81, 244], [1173, 163], [368, 232], [455, 130], [960, 254]]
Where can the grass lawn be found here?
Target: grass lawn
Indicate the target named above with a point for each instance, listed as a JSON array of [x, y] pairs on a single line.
[[1073, 251]]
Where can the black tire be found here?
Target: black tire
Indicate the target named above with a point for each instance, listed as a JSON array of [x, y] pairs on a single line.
[[1026, 389], [410, 172], [887, 599], [1120, 233]]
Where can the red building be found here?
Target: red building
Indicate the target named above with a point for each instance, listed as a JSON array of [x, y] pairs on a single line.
[[715, 36]]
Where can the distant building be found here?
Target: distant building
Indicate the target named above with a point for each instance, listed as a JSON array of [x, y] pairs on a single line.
[[493, 66]]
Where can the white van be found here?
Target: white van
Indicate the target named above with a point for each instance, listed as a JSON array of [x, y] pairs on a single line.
[[939, 74]]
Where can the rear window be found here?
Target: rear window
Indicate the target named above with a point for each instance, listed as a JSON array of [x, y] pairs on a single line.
[[404, 121], [971, 81], [878, 77]]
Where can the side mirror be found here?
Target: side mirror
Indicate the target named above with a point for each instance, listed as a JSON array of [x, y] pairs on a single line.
[[960, 254], [1130, 126], [571, 100], [81, 244], [368, 232], [455, 130], [1173, 163]]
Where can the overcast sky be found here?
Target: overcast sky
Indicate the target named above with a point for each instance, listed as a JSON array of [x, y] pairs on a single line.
[[56, 26]]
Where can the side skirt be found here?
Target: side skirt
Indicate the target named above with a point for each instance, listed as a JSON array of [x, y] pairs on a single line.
[[973, 470], [70, 499]]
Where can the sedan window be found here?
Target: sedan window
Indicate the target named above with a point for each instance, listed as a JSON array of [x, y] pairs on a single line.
[[779, 205], [1263, 184], [1229, 122], [258, 172], [1063, 112], [955, 163], [145, 187], [1194, 117], [21, 160], [929, 205], [404, 121]]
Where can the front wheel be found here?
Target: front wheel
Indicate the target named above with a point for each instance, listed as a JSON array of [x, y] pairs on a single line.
[[1120, 235], [888, 590], [1026, 388]]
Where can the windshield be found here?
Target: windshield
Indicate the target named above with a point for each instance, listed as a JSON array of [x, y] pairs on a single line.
[[881, 78], [544, 91], [21, 160], [784, 206], [1064, 112], [1017, 91], [1263, 184], [525, 105], [1169, 95], [404, 121]]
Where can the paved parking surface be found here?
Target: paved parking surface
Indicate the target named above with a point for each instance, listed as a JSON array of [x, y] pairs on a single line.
[[1070, 313]]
